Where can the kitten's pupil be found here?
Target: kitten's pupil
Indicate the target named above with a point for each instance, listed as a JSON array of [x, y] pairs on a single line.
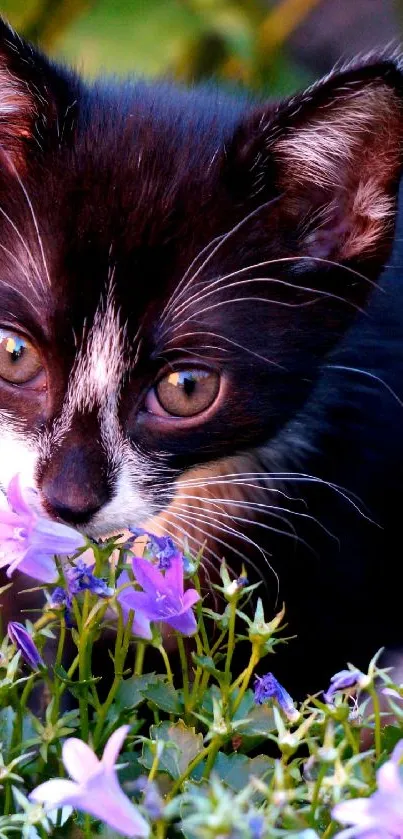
[[187, 392], [16, 347]]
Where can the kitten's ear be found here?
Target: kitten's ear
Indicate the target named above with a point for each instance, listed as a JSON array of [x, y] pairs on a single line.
[[333, 156], [29, 87]]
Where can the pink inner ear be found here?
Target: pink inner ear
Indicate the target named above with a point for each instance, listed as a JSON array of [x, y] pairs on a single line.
[[17, 110], [340, 167]]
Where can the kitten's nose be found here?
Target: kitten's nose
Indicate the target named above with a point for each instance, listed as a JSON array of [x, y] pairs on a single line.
[[74, 487]]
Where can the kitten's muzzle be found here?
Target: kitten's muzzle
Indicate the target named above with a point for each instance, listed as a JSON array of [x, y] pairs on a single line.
[[74, 486]]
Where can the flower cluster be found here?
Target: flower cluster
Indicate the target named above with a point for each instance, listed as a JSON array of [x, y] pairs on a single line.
[[229, 754]]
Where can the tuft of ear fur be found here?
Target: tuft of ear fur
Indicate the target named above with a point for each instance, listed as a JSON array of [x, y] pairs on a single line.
[[333, 154], [29, 85]]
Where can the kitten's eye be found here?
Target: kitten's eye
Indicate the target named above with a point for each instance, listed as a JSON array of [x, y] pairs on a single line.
[[187, 392], [19, 360]]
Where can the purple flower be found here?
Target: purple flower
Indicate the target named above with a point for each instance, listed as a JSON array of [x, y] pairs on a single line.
[[61, 600], [141, 625], [267, 687], [381, 815], [29, 541], [163, 597], [343, 680], [159, 547], [95, 787], [256, 824], [81, 578], [20, 637], [152, 801]]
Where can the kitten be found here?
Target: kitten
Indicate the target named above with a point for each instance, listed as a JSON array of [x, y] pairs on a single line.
[[189, 321]]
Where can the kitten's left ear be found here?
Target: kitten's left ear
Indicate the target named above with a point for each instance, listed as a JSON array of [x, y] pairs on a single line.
[[32, 91], [333, 156]]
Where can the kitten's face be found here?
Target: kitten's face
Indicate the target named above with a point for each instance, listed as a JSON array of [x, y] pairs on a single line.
[[169, 277]]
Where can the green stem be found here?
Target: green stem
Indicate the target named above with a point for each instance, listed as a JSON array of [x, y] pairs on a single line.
[[167, 665], [185, 672], [205, 753], [377, 721], [254, 659], [231, 643], [317, 789], [139, 661], [200, 617]]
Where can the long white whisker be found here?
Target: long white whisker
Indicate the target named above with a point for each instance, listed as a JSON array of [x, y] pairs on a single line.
[[219, 288], [23, 242], [35, 221], [222, 241], [259, 507], [369, 375], [229, 341]]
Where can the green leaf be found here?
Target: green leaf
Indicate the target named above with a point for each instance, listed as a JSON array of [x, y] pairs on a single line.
[[182, 746], [391, 735], [164, 696], [236, 770], [207, 664], [131, 691]]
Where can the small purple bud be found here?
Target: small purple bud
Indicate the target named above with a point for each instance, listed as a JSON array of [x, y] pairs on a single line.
[[161, 548], [343, 680], [243, 581], [267, 687], [81, 578], [21, 639]]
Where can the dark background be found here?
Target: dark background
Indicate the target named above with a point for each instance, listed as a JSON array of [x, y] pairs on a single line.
[[277, 45]]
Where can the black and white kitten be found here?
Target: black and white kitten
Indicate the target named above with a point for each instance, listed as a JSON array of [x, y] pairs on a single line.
[[191, 333]]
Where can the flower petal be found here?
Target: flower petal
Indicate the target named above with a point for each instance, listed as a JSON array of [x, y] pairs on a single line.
[[56, 537], [79, 759], [148, 576], [356, 811], [40, 566], [388, 779], [114, 745], [184, 623], [16, 500], [190, 597], [55, 793], [103, 798], [174, 575]]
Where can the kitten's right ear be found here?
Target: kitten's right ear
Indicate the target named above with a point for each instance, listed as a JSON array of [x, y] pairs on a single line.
[[29, 89]]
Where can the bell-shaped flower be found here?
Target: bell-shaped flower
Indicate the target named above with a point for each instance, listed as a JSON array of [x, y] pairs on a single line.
[[163, 598], [28, 541], [23, 641], [380, 815], [95, 788]]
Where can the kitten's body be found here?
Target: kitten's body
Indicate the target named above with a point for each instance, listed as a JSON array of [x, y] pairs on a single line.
[[144, 229]]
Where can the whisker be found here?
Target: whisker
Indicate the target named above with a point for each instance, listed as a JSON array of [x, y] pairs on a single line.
[[229, 341], [369, 375], [23, 242], [217, 287], [35, 221], [232, 550], [22, 269], [255, 299], [221, 242], [261, 507]]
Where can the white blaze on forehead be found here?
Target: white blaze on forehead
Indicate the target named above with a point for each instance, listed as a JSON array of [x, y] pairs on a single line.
[[100, 363]]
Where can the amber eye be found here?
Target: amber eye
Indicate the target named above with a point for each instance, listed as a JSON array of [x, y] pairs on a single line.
[[185, 393], [19, 360]]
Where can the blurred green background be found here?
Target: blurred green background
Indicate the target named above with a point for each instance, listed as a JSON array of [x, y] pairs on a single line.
[[275, 45]]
